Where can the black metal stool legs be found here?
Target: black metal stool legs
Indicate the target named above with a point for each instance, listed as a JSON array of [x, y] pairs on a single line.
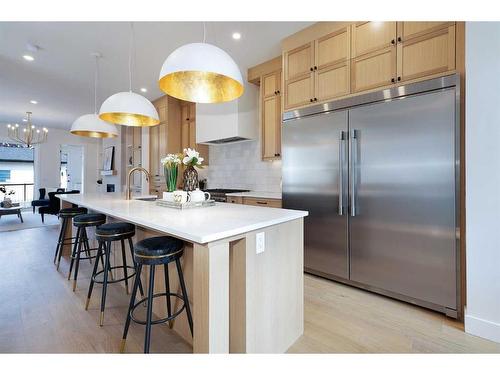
[[94, 272], [137, 282], [124, 262], [149, 313], [131, 246], [73, 253], [184, 293], [167, 290], [107, 252], [60, 241]]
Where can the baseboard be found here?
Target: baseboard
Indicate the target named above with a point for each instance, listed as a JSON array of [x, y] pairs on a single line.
[[482, 328]]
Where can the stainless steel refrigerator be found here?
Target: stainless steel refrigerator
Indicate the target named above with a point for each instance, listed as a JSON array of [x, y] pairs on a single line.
[[379, 175]]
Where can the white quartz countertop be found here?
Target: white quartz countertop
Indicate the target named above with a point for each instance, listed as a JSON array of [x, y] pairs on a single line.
[[257, 194], [200, 225]]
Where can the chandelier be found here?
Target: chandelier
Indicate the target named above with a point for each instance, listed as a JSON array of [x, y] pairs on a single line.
[[27, 136]]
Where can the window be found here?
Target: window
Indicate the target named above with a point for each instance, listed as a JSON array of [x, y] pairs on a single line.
[[4, 175]]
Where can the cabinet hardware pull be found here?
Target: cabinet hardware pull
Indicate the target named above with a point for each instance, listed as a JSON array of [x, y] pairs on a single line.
[[399, 78], [311, 100], [311, 69], [275, 93], [315, 99], [393, 80], [261, 202], [393, 41], [278, 91], [399, 39], [315, 68]]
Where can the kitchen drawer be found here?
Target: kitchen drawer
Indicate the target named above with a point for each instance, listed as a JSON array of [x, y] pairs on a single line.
[[276, 203], [238, 200]]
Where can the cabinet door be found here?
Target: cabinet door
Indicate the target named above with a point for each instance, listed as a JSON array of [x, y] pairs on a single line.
[[408, 30], [153, 150], [270, 119], [428, 54], [373, 70], [371, 36], [299, 91], [333, 81], [333, 48], [270, 84], [299, 61]]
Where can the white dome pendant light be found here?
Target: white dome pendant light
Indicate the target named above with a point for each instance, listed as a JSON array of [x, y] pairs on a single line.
[[201, 73], [91, 125], [129, 108]]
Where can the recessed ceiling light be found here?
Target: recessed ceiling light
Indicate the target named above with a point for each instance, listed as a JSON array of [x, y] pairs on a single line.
[[143, 89], [33, 102], [237, 36], [28, 57]]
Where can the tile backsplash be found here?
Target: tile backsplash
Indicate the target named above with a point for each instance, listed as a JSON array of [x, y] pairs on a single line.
[[239, 166]]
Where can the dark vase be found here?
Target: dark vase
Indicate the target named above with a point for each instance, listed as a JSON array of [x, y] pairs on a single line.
[[190, 179]]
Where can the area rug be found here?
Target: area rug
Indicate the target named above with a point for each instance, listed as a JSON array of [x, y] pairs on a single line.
[[12, 222]]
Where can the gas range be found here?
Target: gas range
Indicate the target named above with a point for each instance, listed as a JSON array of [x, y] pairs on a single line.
[[219, 195]]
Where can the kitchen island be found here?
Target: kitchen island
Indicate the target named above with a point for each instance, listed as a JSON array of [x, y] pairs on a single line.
[[244, 300]]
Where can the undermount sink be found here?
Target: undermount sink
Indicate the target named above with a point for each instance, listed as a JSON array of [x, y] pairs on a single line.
[[146, 198]]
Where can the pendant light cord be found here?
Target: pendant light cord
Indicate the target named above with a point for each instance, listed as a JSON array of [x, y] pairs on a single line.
[[204, 31], [96, 72], [130, 56]]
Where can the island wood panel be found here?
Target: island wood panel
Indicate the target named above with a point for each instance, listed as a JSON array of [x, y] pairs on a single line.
[[267, 305], [374, 70], [427, 54], [372, 36], [237, 200]]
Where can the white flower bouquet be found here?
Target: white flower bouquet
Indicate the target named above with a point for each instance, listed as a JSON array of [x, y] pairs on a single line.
[[171, 164]]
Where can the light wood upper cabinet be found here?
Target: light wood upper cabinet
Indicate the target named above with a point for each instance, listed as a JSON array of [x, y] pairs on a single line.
[[372, 36], [427, 54], [271, 116], [188, 130], [299, 91], [408, 30], [374, 69], [333, 48], [327, 75], [299, 61]]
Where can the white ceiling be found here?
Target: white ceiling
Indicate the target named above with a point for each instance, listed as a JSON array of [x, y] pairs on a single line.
[[62, 76]]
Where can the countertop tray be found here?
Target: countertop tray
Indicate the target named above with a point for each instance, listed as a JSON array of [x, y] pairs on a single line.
[[183, 206]]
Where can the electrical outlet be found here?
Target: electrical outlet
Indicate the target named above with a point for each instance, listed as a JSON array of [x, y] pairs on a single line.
[[260, 242]]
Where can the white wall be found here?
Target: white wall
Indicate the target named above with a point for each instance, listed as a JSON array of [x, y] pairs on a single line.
[[47, 161], [482, 316]]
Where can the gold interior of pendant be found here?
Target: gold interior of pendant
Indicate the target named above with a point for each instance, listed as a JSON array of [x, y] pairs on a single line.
[[128, 119], [201, 87], [91, 134]]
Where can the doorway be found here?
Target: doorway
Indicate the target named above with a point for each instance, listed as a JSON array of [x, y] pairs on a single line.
[[71, 167]]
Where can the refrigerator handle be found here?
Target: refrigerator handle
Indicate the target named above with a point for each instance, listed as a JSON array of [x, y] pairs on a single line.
[[341, 172], [354, 156]]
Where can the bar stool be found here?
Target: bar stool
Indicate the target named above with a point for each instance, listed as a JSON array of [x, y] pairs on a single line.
[[66, 214], [106, 234], [157, 251], [82, 222]]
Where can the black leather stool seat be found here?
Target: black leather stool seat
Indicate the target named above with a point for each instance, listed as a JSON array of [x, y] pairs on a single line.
[[89, 220], [72, 211], [114, 231], [158, 250]]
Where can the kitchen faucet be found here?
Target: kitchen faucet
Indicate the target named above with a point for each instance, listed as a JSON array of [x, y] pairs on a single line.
[[148, 176]]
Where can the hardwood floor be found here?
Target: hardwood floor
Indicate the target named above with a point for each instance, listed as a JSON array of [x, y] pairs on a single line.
[[39, 313]]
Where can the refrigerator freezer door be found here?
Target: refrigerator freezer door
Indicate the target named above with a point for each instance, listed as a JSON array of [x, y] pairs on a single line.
[[314, 160], [402, 234]]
